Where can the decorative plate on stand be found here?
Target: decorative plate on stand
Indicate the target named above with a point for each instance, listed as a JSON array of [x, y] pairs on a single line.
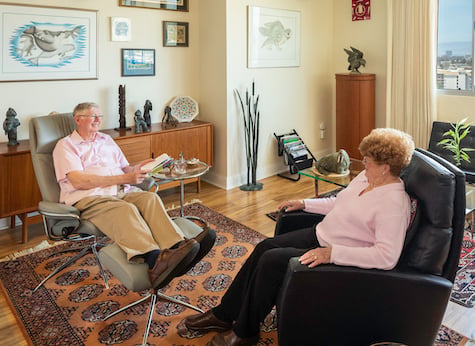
[[184, 108]]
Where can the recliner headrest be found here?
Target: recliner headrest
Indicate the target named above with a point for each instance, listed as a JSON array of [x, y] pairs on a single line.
[[433, 186], [50, 129]]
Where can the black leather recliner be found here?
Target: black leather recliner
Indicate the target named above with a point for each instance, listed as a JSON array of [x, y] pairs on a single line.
[[339, 305], [437, 133]]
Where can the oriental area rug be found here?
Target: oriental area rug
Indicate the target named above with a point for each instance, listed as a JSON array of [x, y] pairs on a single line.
[[68, 310], [463, 292]]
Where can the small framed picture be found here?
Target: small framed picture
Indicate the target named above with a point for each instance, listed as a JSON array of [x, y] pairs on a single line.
[[175, 34], [172, 5], [138, 62], [121, 29]]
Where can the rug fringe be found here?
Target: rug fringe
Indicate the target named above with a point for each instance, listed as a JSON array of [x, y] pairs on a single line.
[[43, 245], [173, 206]]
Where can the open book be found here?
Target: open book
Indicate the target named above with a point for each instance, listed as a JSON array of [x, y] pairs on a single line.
[[158, 164]]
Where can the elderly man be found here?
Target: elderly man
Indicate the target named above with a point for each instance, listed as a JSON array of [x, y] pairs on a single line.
[[96, 178]]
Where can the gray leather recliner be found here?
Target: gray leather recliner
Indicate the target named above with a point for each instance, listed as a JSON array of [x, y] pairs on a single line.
[[63, 222]]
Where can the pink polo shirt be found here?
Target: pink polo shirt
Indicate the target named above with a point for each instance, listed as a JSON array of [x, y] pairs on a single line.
[[100, 156], [366, 231]]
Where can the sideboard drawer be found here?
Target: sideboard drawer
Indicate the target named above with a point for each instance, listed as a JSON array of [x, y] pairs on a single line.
[[136, 149]]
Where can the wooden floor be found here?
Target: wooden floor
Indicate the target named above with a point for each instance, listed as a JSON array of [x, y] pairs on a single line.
[[248, 208]]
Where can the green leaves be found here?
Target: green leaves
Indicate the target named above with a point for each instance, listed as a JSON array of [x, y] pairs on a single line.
[[452, 142]]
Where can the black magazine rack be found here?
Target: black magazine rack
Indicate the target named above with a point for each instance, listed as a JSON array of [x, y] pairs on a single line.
[[295, 152]]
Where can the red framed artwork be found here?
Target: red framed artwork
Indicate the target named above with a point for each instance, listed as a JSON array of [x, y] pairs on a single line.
[[361, 9]]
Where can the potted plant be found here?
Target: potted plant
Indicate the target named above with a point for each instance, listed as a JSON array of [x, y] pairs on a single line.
[[453, 139]]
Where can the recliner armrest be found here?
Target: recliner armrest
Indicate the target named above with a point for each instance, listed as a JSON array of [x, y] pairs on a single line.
[[147, 184], [294, 220], [58, 210]]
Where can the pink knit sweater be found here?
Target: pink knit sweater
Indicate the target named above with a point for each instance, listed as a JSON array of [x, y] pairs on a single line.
[[365, 231]]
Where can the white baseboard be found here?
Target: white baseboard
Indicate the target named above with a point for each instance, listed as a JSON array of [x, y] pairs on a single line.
[[5, 222]]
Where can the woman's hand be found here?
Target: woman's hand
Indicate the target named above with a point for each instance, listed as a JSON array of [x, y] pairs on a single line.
[[292, 205], [316, 256]]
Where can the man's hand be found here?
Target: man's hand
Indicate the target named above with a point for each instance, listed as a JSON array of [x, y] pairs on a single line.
[[136, 176], [292, 205]]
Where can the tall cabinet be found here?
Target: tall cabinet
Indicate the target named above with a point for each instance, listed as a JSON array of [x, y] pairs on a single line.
[[354, 110]]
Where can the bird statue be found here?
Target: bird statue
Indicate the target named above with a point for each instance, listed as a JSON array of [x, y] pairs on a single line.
[[355, 58]]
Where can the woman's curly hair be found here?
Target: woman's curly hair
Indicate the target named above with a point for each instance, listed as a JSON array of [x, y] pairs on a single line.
[[388, 146]]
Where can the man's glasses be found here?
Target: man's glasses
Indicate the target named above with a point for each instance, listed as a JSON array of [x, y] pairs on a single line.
[[92, 116]]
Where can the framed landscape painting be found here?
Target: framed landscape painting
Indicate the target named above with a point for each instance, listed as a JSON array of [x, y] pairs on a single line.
[[138, 62], [47, 43], [173, 5]]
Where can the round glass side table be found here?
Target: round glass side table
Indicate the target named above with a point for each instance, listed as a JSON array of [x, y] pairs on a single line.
[[194, 170]]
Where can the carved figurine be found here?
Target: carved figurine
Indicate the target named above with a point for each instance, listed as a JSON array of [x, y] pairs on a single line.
[[338, 162], [146, 112], [140, 124], [355, 58], [168, 119], [122, 123], [10, 125]]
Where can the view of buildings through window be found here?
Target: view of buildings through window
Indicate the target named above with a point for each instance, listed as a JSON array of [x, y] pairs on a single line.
[[454, 48]]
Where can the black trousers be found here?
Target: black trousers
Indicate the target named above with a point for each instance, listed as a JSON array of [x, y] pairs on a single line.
[[253, 293]]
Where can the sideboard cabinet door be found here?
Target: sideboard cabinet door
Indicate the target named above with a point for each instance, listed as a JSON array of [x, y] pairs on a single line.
[[194, 142]]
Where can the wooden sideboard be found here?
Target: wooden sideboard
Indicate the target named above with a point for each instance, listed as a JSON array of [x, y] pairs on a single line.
[[355, 112], [19, 192]]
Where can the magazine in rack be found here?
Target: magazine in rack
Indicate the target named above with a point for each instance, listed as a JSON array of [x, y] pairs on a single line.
[[296, 154]]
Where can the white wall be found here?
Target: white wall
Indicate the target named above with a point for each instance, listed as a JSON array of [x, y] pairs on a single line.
[[212, 69], [290, 98], [176, 72], [453, 108]]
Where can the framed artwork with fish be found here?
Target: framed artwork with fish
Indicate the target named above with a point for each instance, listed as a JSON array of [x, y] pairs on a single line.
[[47, 43], [138, 62], [273, 37], [173, 5]]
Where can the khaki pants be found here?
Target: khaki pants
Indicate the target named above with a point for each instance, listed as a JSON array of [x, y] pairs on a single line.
[[137, 221]]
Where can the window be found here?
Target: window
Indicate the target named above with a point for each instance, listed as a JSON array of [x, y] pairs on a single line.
[[455, 46]]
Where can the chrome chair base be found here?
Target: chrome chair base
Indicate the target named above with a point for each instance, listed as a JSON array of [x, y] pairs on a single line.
[[153, 300], [86, 249]]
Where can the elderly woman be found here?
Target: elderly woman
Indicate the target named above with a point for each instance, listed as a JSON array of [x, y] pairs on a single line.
[[364, 226]]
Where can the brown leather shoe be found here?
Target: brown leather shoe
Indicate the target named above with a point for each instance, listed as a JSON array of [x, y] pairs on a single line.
[[171, 261], [206, 322], [202, 234], [230, 338]]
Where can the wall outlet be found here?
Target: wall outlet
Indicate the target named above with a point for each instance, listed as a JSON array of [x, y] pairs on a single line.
[[322, 130]]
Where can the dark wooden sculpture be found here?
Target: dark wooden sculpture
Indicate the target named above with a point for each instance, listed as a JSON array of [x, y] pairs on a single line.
[[122, 123]]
